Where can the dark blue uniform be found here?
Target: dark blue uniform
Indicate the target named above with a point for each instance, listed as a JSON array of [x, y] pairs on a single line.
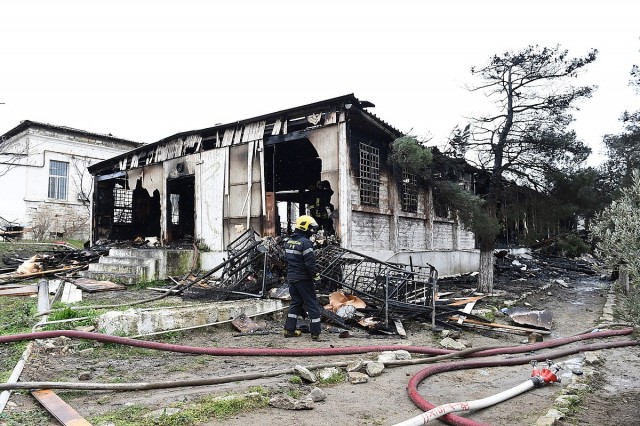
[[302, 277]]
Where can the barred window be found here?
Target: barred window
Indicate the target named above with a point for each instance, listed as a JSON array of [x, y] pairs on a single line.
[[58, 177], [409, 192], [122, 205], [369, 175]]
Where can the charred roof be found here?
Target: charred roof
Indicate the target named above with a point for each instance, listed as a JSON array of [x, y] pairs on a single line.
[[356, 108]]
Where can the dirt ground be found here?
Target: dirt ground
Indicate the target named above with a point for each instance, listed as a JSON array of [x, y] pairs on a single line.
[[614, 396]]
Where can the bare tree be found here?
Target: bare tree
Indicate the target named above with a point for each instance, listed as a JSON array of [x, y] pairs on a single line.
[[527, 136], [10, 155], [81, 180]]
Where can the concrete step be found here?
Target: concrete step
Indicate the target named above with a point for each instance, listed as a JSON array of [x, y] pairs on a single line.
[[170, 262], [140, 271], [139, 253], [127, 279], [150, 264]]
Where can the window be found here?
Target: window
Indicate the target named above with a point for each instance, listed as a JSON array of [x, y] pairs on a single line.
[[369, 175], [441, 207], [409, 192], [58, 176], [122, 205]]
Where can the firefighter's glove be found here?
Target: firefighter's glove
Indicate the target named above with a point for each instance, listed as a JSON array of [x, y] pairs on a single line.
[[316, 280]]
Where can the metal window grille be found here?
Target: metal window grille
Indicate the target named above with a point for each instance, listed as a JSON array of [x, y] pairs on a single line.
[[122, 205], [369, 175], [409, 192], [58, 178]]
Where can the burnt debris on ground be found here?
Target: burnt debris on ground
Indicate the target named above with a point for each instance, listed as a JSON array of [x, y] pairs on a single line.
[[357, 291], [390, 293]]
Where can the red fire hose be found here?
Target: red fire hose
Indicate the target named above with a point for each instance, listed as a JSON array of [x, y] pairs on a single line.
[[297, 352], [463, 365]]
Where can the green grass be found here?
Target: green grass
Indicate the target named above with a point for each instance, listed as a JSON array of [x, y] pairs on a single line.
[[339, 377], [294, 393], [33, 417], [16, 316], [296, 380], [195, 412]]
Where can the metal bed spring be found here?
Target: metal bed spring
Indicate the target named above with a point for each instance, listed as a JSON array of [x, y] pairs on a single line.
[[382, 281]]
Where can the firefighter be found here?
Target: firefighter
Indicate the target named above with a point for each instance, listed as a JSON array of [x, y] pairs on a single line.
[[321, 208], [302, 277]]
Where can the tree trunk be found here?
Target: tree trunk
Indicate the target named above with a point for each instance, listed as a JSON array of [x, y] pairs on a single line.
[[485, 277], [623, 279]]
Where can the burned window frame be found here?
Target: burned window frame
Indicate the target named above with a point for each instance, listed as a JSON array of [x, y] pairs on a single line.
[[58, 187], [409, 192], [122, 206], [441, 207], [369, 162]]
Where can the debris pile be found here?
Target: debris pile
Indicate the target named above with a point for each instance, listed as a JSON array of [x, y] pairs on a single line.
[[33, 260]]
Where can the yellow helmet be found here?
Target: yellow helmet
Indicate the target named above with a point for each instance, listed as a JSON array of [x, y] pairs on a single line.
[[305, 222]]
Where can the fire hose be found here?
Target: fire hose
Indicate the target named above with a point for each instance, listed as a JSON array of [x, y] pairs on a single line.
[[462, 365], [538, 378], [107, 338], [306, 352]]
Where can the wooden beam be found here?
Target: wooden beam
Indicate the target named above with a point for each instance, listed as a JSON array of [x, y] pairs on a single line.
[[505, 326], [27, 290], [59, 409]]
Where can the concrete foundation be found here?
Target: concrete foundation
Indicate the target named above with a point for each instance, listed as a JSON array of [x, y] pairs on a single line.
[[447, 262], [142, 321]]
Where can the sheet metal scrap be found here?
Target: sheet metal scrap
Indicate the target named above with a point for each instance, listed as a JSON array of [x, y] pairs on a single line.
[[540, 319]]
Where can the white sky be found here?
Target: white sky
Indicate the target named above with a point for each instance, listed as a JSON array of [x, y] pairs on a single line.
[[146, 70]]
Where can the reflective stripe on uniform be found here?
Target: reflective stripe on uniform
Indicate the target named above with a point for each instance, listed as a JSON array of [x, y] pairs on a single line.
[[291, 251], [309, 250], [315, 320], [292, 316]]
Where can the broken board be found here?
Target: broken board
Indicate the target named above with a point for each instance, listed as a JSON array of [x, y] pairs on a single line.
[[25, 290], [500, 326], [93, 286], [59, 409], [244, 324]]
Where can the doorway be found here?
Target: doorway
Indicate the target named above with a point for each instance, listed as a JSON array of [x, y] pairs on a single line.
[[180, 209], [292, 171]]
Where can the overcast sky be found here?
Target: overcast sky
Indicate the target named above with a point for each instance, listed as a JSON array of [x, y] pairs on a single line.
[[146, 70]]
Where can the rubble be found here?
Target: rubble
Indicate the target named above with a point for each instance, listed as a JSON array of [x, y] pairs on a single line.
[[356, 378], [287, 403], [305, 374]]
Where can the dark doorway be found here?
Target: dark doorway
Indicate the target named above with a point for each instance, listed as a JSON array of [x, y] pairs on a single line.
[[292, 171], [180, 208]]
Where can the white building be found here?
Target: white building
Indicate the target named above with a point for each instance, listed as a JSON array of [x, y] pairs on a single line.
[[44, 183]]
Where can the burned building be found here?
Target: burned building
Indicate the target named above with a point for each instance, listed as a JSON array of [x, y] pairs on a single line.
[[210, 185]]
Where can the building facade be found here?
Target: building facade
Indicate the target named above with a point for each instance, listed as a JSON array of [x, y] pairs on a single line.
[[211, 185], [44, 183]]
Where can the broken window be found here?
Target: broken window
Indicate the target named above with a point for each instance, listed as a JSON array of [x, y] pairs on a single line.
[[441, 207], [58, 176], [122, 205], [409, 192], [369, 175]]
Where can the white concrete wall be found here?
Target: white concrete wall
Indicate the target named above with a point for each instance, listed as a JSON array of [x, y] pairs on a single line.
[[26, 185], [447, 262], [210, 188]]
